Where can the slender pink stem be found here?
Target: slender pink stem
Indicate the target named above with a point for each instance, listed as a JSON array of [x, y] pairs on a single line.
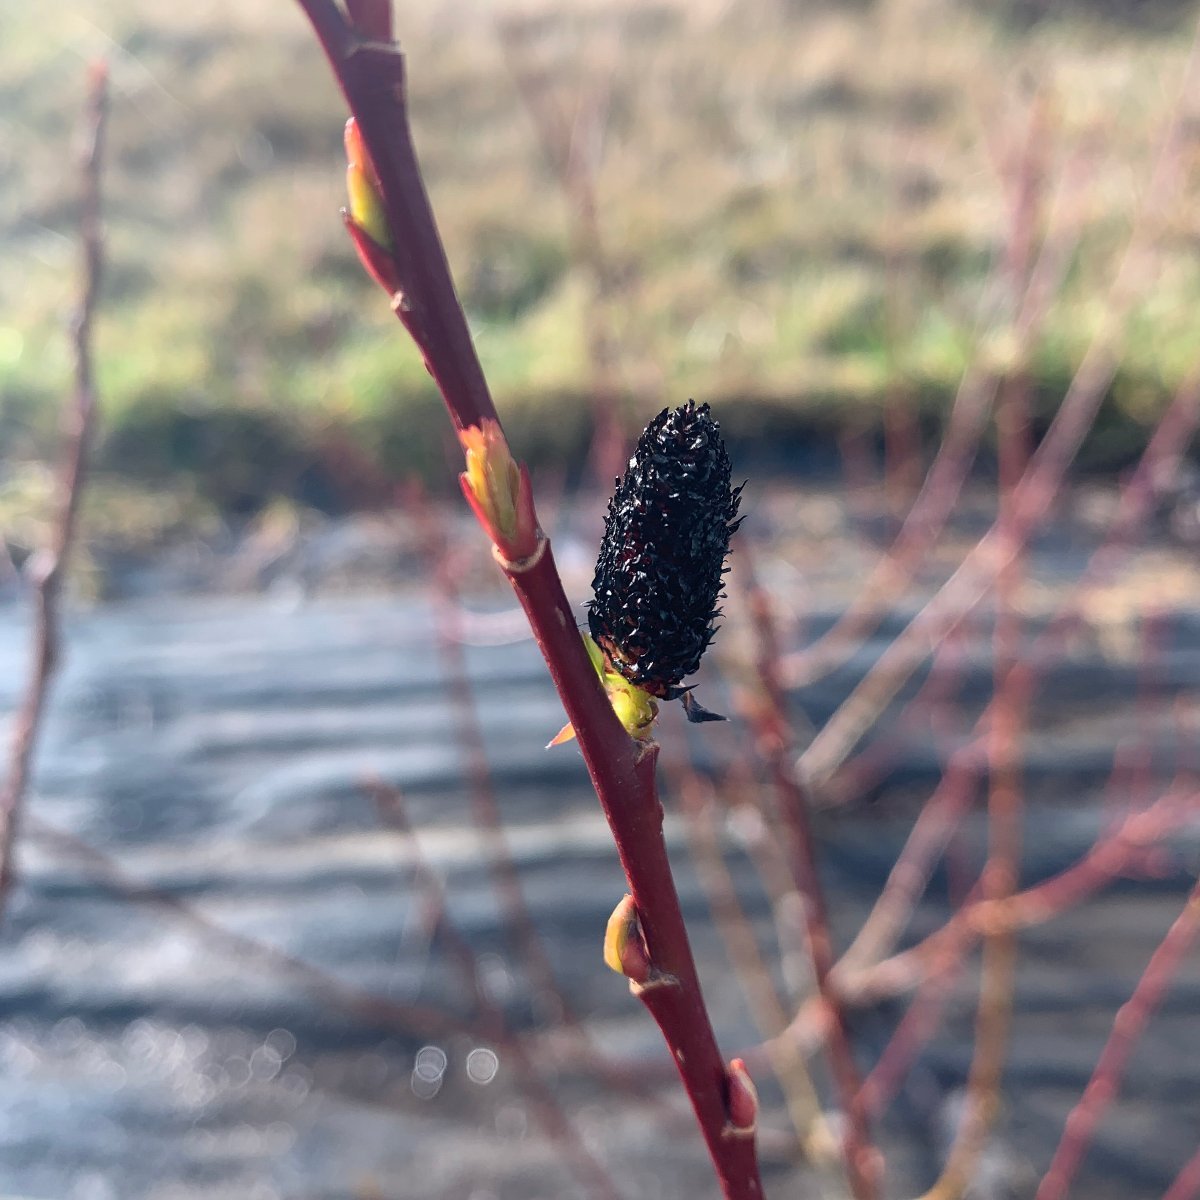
[[754, 973], [1106, 861], [936, 821], [916, 1027], [1032, 497], [565, 144], [1187, 1182], [1005, 813], [486, 809], [1029, 296], [48, 565]]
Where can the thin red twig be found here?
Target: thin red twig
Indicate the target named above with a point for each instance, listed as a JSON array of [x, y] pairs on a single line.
[[485, 807], [864, 1166], [468, 732], [48, 565], [935, 961], [1034, 494], [573, 148], [1109, 859], [1027, 296], [753, 972], [1187, 1183], [1127, 1028]]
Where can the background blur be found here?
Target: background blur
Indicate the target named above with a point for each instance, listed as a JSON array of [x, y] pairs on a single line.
[[895, 244], [801, 212]]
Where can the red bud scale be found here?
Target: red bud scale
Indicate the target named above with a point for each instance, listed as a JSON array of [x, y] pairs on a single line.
[[661, 563]]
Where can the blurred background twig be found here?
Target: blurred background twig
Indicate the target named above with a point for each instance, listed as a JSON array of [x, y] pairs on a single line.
[[47, 568]]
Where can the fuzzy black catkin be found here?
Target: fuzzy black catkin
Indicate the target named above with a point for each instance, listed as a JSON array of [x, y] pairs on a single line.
[[660, 568]]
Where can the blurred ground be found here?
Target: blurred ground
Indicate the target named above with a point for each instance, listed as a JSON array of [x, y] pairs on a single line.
[[212, 750]]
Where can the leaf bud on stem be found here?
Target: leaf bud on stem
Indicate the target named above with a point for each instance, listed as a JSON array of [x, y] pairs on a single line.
[[366, 218], [624, 948], [497, 489], [742, 1102]]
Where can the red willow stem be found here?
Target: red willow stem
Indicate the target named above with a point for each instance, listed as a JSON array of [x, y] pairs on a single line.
[[487, 816], [1119, 853], [771, 724], [937, 961], [698, 799], [48, 565], [468, 733], [623, 773], [1187, 1182], [1005, 812], [1160, 459], [371, 75], [1027, 288]]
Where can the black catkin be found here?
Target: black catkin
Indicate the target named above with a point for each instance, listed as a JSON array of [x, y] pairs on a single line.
[[661, 563]]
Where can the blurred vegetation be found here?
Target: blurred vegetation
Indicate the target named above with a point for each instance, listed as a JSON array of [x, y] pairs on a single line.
[[803, 207]]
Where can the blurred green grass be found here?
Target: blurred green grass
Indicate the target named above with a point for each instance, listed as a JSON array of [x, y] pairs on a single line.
[[803, 206]]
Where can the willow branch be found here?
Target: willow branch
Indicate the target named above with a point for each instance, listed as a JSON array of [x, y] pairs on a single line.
[[414, 269], [336, 996], [787, 1062], [1032, 497]]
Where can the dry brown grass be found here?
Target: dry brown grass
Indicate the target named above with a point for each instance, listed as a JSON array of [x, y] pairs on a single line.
[[803, 205]]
